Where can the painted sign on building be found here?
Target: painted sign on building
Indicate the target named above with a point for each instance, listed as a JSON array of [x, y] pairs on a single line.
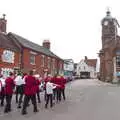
[[8, 56], [5, 71]]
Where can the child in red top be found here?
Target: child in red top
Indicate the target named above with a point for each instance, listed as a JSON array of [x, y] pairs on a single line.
[[9, 86]]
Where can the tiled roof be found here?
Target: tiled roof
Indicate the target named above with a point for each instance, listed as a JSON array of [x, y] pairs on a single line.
[[91, 62], [7, 43], [28, 44]]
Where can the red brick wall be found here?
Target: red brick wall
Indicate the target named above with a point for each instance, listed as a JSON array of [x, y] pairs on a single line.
[[26, 62], [38, 60]]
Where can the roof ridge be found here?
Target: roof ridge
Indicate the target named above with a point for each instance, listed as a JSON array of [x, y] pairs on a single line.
[[33, 45], [25, 39]]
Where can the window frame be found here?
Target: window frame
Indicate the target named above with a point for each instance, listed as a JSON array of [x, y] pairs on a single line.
[[34, 58], [43, 61]]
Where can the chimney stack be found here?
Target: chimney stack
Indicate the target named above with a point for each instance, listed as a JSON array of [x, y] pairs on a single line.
[[86, 59], [3, 23], [46, 44]]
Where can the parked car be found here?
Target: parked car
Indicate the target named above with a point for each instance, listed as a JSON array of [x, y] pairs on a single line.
[[83, 77], [76, 77]]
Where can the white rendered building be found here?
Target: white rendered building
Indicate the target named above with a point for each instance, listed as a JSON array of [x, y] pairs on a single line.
[[87, 68]]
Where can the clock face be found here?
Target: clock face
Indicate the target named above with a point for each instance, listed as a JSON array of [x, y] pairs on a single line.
[[105, 23]]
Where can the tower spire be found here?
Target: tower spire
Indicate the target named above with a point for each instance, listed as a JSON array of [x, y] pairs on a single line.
[[4, 15]]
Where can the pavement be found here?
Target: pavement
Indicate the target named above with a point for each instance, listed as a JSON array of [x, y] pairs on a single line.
[[87, 99]]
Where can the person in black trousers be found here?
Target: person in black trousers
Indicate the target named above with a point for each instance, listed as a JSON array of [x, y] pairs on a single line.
[[49, 93], [63, 82], [19, 89], [2, 93], [30, 93], [9, 86]]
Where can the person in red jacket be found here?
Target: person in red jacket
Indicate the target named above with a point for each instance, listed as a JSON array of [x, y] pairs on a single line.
[[30, 93], [63, 82], [38, 82], [53, 80], [9, 86], [58, 82]]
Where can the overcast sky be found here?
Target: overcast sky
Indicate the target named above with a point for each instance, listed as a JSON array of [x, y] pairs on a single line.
[[72, 26]]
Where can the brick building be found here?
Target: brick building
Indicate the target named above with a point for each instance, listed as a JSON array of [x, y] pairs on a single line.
[[18, 53], [110, 52]]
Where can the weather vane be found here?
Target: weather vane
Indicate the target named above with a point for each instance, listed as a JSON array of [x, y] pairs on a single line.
[[108, 8]]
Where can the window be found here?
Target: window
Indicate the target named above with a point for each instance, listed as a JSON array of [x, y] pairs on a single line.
[[43, 61], [32, 59], [49, 62], [118, 52], [84, 67], [61, 66], [53, 63], [118, 61]]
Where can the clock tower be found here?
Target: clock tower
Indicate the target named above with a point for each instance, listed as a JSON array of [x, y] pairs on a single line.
[[109, 30], [110, 52]]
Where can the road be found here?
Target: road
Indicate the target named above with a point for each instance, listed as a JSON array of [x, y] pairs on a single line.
[[86, 100]]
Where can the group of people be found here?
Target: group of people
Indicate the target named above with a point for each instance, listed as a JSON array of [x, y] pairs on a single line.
[[27, 87]]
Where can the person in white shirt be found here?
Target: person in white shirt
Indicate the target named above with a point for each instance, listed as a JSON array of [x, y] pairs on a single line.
[[2, 93], [19, 82], [49, 93]]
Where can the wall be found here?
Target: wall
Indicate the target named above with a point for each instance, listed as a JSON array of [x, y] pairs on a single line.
[[9, 66], [38, 67]]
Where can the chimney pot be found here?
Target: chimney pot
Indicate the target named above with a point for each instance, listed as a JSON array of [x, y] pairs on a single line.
[[46, 44], [3, 23]]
